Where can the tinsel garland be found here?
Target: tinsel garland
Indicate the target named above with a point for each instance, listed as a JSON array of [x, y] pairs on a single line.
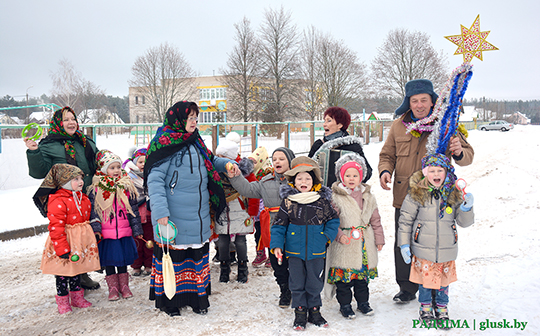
[[449, 101]]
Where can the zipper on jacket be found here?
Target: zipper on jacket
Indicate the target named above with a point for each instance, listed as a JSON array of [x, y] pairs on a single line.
[[437, 221], [200, 192]]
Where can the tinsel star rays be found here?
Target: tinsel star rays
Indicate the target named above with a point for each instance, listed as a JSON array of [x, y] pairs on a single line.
[[471, 42]]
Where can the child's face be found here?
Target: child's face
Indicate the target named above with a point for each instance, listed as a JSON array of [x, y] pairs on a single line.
[[114, 169], [303, 182], [140, 162], [77, 183], [280, 162], [351, 178], [436, 175]]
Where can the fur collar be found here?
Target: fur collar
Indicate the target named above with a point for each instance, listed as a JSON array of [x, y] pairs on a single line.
[[422, 194], [246, 166], [347, 140], [286, 190]]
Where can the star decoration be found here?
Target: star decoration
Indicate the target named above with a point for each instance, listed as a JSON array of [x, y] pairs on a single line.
[[471, 42]]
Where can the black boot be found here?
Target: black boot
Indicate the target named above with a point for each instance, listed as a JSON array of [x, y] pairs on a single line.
[[300, 318], [242, 272], [316, 318], [225, 270], [285, 296]]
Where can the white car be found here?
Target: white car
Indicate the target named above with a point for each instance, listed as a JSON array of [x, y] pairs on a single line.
[[498, 125]]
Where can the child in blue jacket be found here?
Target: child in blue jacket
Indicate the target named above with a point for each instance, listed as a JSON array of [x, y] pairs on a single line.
[[305, 224]]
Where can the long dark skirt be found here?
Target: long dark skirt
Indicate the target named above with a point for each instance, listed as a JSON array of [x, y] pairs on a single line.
[[192, 273]]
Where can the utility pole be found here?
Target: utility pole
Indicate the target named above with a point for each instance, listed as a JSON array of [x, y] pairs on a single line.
[[28, 110]]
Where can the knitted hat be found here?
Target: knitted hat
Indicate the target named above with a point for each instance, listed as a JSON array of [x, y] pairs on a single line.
[[414, 87], [441, 160], [351, 160], [135, 155], [289, 154], [227, 148], [104, 158], [234, 137], [304, 164]]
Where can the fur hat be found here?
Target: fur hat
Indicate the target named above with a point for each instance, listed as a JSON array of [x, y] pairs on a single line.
[[414, 87], [288, 153], [351, 160], [104, 158], [227, 148], [304, 164], [234, 137]]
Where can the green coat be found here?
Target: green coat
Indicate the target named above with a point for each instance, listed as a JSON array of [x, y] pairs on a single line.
[[49, 153]]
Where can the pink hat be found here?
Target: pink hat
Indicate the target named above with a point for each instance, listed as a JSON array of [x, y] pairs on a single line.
[[351, 164]]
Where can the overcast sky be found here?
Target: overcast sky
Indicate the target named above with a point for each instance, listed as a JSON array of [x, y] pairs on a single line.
[[103, 38]]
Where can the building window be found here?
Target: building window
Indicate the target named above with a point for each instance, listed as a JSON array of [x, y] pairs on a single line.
[[143, 99], [136, 100]]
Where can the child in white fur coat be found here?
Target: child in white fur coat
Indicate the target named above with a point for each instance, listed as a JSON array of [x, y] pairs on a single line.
[[352, 257]]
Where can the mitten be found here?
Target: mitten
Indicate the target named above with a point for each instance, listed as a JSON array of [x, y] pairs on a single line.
[[406, 253], [467, 203], [64, 256]]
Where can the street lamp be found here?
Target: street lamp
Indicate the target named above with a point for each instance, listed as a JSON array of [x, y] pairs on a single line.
[[27, 110]]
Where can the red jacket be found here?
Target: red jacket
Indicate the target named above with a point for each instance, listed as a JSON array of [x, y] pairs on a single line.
[[253, 203], [61, 211]]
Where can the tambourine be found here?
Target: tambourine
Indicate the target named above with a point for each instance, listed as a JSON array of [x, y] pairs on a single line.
[[167, 233], [461, 184], [355, 234], [34, 137]]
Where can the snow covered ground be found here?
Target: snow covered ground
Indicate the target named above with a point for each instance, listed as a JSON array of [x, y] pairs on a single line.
[[497, 263]]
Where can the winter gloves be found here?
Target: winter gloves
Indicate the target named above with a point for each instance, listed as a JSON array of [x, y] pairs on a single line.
[[467, 203], [406, 253]]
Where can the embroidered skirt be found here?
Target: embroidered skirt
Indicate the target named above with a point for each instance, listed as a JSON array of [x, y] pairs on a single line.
[[432, 275], [192, 273], [82, 242], [117, 252]]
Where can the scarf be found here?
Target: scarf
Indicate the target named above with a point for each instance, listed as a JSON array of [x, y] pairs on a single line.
[[262, 166], [172, 137], [338, 134], [439, 160], [109, 189], [305, 198], [58, 133]]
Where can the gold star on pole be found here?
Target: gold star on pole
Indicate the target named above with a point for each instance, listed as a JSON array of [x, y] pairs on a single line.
[[471, 42]]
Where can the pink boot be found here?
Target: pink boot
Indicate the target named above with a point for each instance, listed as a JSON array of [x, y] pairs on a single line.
[[63, 304], [123, 278], [78, 300], [260, 259], [112, 282]]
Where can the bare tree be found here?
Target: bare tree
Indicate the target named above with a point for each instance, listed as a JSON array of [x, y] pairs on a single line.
[[164, 77], [280, 48], [66, 84], [405, 56], [242, 75], [91, 102], [310, 74], [342, 75]]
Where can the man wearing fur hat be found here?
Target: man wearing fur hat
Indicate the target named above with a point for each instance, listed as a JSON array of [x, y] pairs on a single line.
[[402, 153]]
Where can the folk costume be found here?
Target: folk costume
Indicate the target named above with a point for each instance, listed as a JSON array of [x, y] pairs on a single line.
[[182, 177], [71, 248]]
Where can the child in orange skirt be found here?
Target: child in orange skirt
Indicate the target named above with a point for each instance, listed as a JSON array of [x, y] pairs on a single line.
[[71, 247], [427, 229]]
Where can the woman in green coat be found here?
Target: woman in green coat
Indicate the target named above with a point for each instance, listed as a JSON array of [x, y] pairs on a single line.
[[65, 143]]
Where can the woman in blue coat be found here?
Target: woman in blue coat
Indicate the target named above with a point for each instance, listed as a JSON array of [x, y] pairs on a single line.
[[185, 190]]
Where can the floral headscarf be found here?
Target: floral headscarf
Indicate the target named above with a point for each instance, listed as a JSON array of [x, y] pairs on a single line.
[[60, 174], [263, 165], [171, 137], [58, 133]]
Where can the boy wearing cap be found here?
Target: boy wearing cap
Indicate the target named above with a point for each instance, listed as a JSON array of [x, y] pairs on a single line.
[[305, 224], [401, 155]]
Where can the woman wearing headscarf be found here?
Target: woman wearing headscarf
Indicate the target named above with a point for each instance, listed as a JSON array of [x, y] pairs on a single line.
[[336, 139], [65, 143], [186, 195]]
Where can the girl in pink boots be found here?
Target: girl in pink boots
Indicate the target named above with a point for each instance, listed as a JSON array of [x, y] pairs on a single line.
[[115, 219], [71, 247]]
